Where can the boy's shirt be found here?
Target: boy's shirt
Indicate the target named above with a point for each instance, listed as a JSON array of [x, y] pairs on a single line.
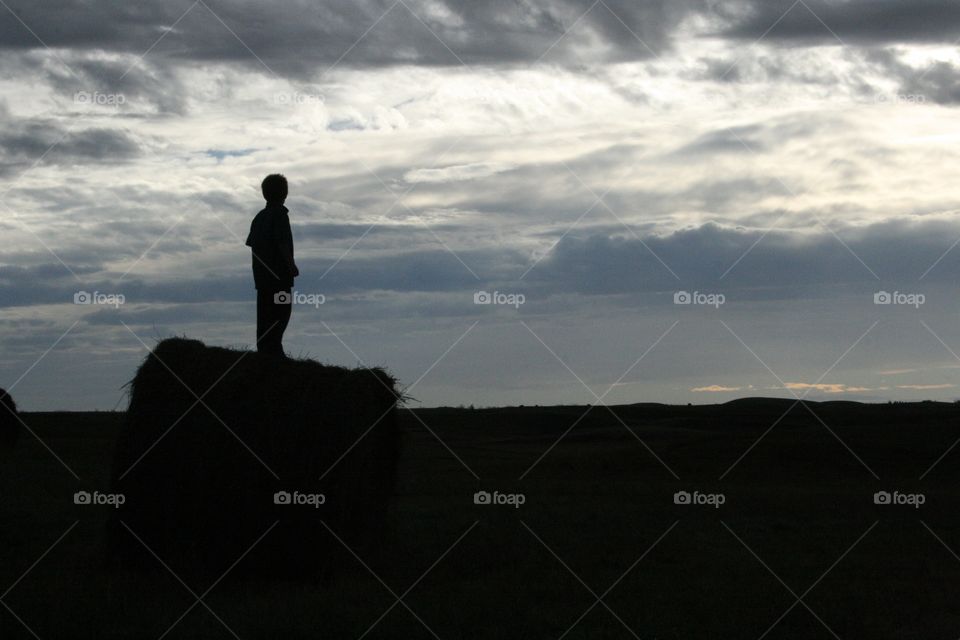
[[269, 235]]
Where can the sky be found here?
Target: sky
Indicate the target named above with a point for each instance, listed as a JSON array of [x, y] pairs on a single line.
[[503, 202]]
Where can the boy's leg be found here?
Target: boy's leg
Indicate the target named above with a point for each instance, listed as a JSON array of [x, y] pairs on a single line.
[[282, 318], [264, 307], [272, 320]]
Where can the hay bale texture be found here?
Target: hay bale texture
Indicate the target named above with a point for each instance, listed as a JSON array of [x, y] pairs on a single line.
[[9, 419], [198, 477]]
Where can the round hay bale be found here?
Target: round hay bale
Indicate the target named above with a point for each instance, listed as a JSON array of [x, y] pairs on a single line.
[[9, 419], [204, 479]]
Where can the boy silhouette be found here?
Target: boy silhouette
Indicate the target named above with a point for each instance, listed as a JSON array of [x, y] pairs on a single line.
[[271, 244]]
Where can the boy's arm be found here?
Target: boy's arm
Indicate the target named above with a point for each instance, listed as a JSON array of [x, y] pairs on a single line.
[[285, 241]]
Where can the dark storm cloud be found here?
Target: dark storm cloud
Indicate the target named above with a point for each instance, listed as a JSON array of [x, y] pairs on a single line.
[[323, 231], [781, 264], [853, 21], [136, 83], [938, 82], [778, 265], [25, 141], [301, 38]]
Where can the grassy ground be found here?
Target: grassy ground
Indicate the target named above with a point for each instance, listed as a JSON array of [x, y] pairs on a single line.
[[599, 521]]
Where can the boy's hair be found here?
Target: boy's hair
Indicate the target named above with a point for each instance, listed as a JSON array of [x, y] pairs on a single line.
[[274, 187]]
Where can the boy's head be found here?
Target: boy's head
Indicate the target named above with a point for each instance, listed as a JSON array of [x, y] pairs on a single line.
[[274, 188]]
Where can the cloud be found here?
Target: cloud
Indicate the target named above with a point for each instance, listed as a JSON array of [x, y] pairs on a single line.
[[306, 37], [24, 142], [758, 264], [715, 388], [457, 173], [825, 388], [936, 82], [924, 387], [867, 22]]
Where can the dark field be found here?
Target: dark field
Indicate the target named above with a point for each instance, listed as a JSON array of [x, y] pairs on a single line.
[[798, 549]]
